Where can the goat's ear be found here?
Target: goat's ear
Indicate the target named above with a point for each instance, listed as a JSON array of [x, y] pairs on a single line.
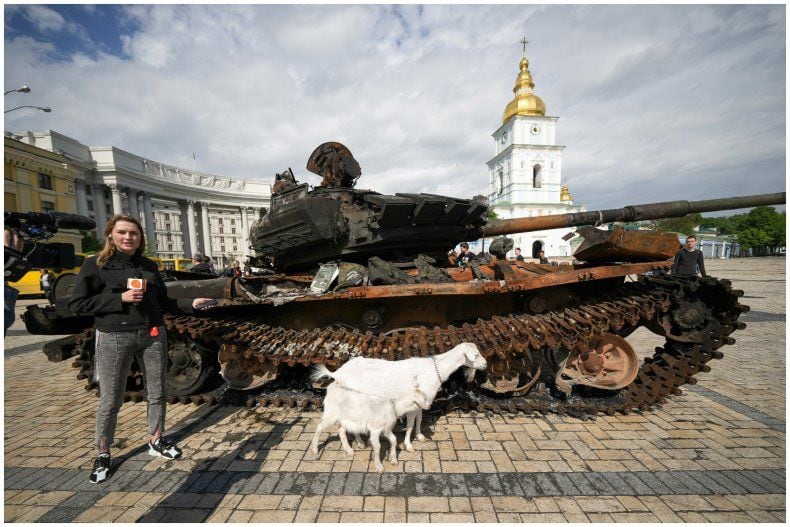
[[471, 351]]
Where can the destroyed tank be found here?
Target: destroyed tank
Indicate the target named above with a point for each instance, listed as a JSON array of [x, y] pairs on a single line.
[[358, 273]]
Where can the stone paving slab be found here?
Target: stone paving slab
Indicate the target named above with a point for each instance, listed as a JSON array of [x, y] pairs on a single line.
[[715, 454]]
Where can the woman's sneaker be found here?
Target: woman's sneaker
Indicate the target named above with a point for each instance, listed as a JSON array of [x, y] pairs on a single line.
[[164, 449], [101, 468]]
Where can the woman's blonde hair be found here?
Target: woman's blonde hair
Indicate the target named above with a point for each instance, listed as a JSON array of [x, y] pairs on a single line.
[[109, 247]]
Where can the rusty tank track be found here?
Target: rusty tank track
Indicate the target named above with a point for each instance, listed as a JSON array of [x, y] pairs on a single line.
[[696, 316]]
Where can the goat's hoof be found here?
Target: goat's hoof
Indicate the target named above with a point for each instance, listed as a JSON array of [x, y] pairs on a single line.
[[314, 451], [420, 437], [394, 461], [350, 452], [379, 468], [410, 448]]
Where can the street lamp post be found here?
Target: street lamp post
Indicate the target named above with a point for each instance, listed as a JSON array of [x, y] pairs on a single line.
[[21, 89], [47, 110]]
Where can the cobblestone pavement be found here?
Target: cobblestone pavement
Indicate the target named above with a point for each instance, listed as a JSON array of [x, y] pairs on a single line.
[[715, 454]]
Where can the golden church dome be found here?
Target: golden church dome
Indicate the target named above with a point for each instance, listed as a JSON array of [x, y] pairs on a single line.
[[525, 102], [564, 194]]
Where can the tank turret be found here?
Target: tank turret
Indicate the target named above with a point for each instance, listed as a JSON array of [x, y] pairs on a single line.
[[306, 227]]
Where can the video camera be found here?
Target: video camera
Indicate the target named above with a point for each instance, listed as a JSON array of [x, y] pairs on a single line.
[[35, 228]]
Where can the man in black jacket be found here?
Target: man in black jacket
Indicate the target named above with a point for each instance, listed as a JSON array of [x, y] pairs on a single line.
[[689, 260]]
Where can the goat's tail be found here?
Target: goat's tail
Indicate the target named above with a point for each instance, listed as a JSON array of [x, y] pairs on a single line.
[[321, 371]]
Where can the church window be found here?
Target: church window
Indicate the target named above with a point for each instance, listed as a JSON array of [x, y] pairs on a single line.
[[501, 181], [522, 163], [536, 173]]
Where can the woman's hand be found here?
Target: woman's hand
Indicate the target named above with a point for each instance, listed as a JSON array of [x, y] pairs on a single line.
[[132, 296], [203, 303]]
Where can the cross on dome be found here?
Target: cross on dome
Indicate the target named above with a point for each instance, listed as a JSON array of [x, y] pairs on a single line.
[[525, 101]]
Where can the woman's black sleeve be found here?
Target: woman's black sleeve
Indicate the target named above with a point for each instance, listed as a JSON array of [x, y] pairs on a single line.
[[88, 298]]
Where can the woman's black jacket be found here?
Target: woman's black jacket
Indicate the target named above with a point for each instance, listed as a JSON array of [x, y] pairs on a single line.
[[98, 292]]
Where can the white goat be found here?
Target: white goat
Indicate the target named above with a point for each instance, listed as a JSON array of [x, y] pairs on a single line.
[[391, 378], [359, 412]]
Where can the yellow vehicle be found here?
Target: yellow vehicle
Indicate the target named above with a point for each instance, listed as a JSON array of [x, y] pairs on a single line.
[[30, 284], [173, 264]]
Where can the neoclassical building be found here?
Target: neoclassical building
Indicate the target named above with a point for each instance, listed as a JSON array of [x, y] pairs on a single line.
[[182, 211], [37, 180], [525, 174]]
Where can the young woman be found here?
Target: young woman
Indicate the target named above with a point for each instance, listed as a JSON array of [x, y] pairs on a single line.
[[129, 324]]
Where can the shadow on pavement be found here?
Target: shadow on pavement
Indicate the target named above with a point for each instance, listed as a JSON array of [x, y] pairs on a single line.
[[201, 493]]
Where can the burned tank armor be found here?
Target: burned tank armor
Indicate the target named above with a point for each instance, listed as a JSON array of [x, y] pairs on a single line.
[[359, 273], [306, 227]]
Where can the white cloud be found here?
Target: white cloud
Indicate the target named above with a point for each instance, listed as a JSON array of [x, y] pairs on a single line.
[[655, 102], [44, 18]]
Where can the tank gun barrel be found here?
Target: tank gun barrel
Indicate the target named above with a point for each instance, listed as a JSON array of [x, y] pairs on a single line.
[[648, 211]]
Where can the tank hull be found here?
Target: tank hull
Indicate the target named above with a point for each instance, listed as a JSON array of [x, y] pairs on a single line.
[[366, 274]]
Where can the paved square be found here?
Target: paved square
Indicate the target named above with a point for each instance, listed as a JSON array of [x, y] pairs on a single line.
[[715, 454]]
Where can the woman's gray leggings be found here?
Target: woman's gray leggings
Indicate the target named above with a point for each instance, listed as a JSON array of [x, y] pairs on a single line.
[[114, 353]]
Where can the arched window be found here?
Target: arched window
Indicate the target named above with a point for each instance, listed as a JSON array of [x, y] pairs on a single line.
[[536, 170], [501, 181]]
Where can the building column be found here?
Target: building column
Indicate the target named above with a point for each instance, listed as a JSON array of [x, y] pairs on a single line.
[[150, 226], [82, 198], [193, 245], [117, 200], [134, 210], [204, 228], [187, 227], [245, 231], [99, 208]]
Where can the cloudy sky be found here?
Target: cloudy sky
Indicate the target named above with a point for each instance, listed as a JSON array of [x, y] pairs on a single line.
[[655, 102]]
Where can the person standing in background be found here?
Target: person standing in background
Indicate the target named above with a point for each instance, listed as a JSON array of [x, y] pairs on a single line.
[[689, 260], [46, 282]]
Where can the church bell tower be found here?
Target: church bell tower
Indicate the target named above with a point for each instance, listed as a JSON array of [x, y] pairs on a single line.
[[525, 174]]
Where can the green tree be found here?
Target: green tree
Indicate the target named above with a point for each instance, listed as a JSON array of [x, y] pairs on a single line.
[[90, 243], [492, 215], [762, 230], [723, 224], [684, 225]]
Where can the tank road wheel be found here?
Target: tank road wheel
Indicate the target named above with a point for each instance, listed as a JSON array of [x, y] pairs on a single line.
[[63, 286], [512, 375], [242, 369], [191, 365], [608, 364]]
